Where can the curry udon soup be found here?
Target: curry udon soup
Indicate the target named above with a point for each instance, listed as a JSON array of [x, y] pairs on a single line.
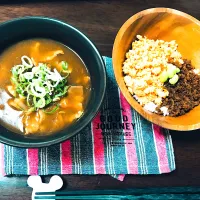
[[44, 87]]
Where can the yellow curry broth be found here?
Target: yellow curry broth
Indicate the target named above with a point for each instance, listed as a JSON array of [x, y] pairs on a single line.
[[52, 53]]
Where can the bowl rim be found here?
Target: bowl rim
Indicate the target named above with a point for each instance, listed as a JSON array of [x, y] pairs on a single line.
[[117, 40], [91, 116]]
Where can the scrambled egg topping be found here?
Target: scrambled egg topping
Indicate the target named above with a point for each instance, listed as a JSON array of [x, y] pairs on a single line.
[[144, 64]]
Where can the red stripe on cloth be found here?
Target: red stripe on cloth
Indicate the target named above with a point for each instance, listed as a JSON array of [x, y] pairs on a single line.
[[66, 157], [33, 161], [2, 170], [161, 149], [98, 146], [121, 177], [132, 161]]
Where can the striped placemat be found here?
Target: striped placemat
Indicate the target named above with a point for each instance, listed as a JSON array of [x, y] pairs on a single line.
[[117, 142]]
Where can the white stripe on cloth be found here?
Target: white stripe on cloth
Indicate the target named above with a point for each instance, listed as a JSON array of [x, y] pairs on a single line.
[[76, 139], [172, 159], [154, 139], [46, 166], [9, 171], [12, 160], [6, 161], [7, 158], [40, 160], [79, 154], [143, 146], [43, 161]]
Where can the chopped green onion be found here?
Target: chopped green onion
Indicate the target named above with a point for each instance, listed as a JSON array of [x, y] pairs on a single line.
[[48, 99], [56, 99], [28, 75], [14, 72], [39, 85], [14, 80], [28, 99], [40, 103], [30, 110], [64, 65], [26, 61], [38, 91]]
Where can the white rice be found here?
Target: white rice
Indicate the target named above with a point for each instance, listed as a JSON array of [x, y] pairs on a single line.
[[164, 110], [150, 107]]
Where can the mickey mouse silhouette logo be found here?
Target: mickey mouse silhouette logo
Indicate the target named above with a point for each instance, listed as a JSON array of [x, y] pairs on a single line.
[[36, 183]]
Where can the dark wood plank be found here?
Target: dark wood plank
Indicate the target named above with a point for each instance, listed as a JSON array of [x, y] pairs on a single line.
[[100, 21]]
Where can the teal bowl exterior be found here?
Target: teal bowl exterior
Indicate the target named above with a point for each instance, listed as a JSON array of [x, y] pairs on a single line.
[[41, 27]]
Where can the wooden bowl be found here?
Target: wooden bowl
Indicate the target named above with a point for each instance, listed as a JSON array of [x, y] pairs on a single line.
[[167, 24]]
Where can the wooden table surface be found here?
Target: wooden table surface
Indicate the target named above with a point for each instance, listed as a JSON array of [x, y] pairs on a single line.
[[100, 21]]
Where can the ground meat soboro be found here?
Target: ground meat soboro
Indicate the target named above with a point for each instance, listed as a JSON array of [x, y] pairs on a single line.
[[184, 95]]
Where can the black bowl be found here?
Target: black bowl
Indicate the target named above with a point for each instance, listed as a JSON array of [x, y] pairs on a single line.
[[30, 27]]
